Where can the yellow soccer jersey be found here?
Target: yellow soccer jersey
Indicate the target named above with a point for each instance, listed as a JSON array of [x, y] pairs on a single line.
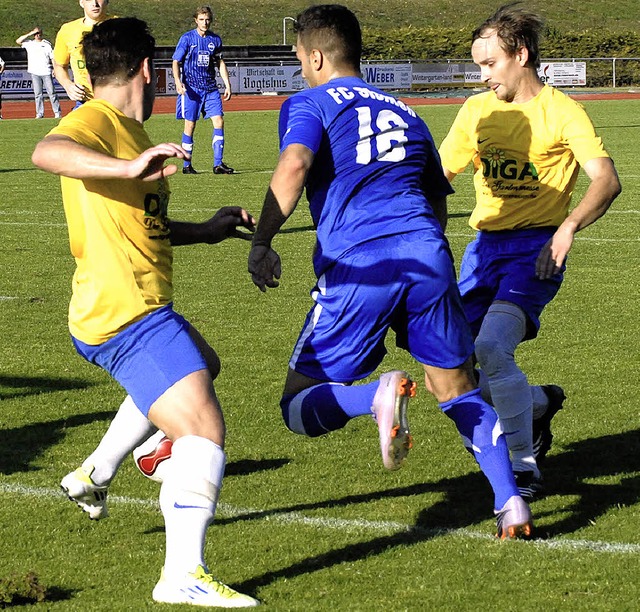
[[525, 157], [118, 230], [67, 51]]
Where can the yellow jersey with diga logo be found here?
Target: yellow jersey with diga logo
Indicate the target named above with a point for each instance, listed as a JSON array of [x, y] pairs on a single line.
[[526, 157], [67, 51], [118, 230]]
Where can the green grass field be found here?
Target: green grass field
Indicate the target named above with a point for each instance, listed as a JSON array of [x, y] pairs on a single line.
[[318, 524]]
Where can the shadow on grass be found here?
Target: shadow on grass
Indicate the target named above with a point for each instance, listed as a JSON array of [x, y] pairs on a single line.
[[251, 466], [23, 386], [20, 446], [468, 502]]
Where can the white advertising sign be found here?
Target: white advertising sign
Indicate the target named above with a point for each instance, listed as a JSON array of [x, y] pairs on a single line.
[[387, 76], [561, 74], [438, 74], [17, 84]]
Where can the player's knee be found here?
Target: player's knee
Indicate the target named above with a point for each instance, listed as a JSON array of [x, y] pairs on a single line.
[[292, 414], [292, 406], [491, 355]]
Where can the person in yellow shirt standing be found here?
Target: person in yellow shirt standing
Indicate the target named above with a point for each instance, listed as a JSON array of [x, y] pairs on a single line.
[[527, 142], [121, 316], [68, 54]]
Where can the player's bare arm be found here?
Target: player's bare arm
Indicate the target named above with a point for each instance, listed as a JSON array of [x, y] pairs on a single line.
[[224, 75], [175, 67], [226, 223], [602, 191], [285, 190], [64, 156]]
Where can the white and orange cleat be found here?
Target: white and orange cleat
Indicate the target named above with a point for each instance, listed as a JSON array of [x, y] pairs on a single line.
[[390, 410]]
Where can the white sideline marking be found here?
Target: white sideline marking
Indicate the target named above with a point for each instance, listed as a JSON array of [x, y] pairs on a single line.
[[360, 525]]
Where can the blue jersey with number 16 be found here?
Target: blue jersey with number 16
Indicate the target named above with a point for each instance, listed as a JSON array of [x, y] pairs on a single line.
[[375, 164]]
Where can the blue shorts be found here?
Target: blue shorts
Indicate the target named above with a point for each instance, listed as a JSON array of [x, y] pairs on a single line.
[[502, 266], [149, 356], [193, 104], [406, 283]]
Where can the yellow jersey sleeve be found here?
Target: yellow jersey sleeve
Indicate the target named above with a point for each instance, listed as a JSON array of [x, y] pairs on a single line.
[[118, 230], [67, 51], [525, 157]]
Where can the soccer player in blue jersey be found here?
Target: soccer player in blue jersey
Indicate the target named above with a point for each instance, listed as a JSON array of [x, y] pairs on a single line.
[[199, 54], [377, 195]]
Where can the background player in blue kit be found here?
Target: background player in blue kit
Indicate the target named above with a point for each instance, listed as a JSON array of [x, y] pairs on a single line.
[[377, 195], [198, 53]]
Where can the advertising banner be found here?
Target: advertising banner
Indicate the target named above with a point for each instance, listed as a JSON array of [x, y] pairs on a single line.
[[17, 84], [565, 74]]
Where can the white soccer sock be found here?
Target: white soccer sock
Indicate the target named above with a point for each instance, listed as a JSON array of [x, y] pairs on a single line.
[[127, 430], [188, 499], [503, 328]]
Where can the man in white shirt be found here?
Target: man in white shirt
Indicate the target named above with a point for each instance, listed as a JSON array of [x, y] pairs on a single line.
[[40, 67], [1, 71]]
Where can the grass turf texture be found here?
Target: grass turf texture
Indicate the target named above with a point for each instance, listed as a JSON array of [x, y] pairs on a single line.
[[317, 524]]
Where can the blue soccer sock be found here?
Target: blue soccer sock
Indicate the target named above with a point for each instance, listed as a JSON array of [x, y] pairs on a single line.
[[187, 145], [218, 146], [326, 407], [481, 434]]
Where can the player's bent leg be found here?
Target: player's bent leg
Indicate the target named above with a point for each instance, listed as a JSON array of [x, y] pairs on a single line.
[[88, 485], [313, 408], [190, 407], [481, 434], [190, 413], [502, 330]]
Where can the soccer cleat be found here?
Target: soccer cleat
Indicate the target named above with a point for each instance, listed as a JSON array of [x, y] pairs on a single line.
[[200, 589], [90, 497], [529, 485], [189, 170], [390, 410], [542, 436], [514, 520], [223, 169]]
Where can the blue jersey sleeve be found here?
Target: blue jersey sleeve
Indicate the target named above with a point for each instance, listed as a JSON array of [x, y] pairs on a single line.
[[300, 123], [181, 49]]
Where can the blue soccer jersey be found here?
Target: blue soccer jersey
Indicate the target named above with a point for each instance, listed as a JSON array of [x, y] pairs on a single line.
[[198, 56], [397, 167]]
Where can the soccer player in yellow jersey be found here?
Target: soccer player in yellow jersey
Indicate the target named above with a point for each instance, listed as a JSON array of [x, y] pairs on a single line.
[[121, 317], [527, 142], [67, 52]]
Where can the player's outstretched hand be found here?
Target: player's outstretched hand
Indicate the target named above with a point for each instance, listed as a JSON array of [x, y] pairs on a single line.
[[264, 266], [226, 223], [149, 165]]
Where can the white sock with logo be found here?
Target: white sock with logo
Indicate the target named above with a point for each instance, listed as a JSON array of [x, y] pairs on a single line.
[[188, 499]]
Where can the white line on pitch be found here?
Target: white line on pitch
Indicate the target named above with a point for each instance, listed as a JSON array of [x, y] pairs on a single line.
[[359, 525]]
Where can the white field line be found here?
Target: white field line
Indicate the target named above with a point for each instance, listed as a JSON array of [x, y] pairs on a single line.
[[347, 525]]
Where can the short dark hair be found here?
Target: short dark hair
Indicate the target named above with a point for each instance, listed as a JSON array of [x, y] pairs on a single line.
[[516, 27], [117, 47], [332, 29]]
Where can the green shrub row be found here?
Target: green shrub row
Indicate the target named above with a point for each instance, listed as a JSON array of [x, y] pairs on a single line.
[[440, 43], [432, 43]]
